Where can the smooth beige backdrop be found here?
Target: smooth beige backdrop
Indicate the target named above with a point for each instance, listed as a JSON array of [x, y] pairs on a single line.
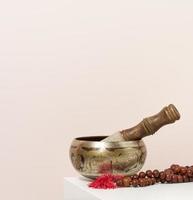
[[71, 68]]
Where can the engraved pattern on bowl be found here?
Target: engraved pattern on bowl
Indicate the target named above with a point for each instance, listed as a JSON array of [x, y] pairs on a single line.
[[92, 158]]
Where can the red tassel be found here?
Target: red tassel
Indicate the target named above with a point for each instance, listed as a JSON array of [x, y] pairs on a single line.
[[107, 181]]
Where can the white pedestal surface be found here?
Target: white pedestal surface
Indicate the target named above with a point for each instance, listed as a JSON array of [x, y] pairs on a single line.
[[77, 189]]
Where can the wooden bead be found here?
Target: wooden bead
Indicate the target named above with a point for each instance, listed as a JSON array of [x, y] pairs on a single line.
[[180, 179], [191, 168], [146, 181], [150, 181], [168, 177], [157, 180], [177, 169], [135, 176], [189, 172], [162, 176], [142, 175], [172, 167], [168, 171], [183, 170], [153, 181], [191, 179], [127, 181], [149, 173], [141, 182], [119, 183], [134, 183], [185, 178], [156, 173], [174, 178]]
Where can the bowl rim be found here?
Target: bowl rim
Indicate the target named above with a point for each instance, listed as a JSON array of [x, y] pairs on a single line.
[[91, 141]]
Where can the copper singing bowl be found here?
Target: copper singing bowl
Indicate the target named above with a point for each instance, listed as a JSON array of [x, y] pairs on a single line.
[[91, 157]]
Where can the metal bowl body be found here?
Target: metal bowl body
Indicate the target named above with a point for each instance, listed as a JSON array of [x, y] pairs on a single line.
[[91, 157]]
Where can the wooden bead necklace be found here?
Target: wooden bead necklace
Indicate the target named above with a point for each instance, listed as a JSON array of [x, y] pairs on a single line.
[[173, 174]]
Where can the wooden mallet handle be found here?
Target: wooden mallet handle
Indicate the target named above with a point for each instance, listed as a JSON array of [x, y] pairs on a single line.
[[150, 125]]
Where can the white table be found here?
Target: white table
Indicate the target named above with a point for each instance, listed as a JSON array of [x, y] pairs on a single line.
[[77, 189]]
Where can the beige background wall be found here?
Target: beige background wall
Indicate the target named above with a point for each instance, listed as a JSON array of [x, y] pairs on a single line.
[[75, 68]]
